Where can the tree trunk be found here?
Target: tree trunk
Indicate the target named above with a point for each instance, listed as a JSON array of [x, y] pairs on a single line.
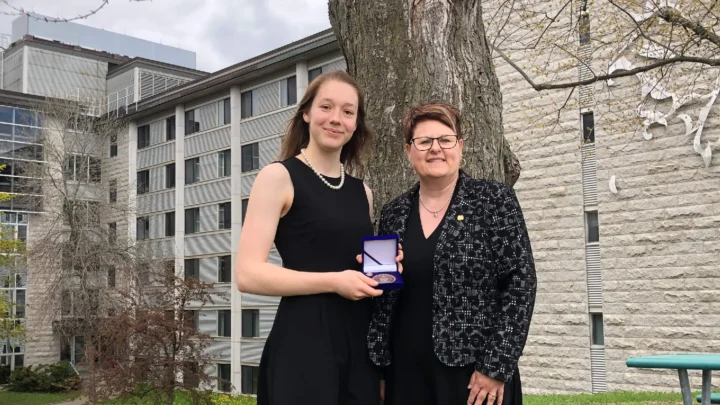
[[406, 52]]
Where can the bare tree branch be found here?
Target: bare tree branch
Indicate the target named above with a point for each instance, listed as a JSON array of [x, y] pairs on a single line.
[[613, 75], [673, 16], [17, 11]]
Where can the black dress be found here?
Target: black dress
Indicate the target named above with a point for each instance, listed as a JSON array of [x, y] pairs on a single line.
[[416, 376], [316, 352]]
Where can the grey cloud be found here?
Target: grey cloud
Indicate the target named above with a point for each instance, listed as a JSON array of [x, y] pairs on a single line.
[[220, 32]]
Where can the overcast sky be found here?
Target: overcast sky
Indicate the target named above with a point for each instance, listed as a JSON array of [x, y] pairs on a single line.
[[220, 32]]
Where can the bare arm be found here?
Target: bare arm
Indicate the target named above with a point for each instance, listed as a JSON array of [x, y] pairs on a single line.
[[270, 198], [369, 194]]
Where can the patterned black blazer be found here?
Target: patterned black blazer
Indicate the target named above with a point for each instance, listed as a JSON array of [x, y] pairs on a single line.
[[483, 280]]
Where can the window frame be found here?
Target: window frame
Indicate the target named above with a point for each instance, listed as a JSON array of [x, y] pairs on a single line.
[[592, 227], [194, 222], [314, 72], [224, 163], [191, 268], [252, 317], [587, 120], [143, 185], [246, 104], [224, 266], [225, 216], [224, 323], [143, 136], [170, 224], [192, 173], [254, 157], [145, 233], [170, 176], [170, 129], [254, 373]]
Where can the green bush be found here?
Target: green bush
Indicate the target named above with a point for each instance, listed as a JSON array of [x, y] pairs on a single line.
[[56, 377], [4, 374]]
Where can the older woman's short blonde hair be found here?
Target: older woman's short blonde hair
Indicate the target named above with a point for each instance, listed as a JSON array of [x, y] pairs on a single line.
[[442, 112]]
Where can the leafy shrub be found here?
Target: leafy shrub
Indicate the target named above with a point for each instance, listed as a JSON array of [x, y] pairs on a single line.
[[56, 377], [4, 374]]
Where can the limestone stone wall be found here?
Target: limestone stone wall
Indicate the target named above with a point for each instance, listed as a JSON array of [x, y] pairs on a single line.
[[659, 235]]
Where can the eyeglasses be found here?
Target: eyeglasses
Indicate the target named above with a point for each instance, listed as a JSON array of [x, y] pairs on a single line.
[[425, 143]]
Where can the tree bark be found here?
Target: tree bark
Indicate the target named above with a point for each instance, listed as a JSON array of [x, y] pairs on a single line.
[[406, 52]]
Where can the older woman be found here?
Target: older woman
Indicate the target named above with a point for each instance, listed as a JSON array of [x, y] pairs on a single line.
[[454, 334]]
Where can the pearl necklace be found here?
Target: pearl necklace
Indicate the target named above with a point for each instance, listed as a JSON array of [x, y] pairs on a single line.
[[327, 183], [435, 213]]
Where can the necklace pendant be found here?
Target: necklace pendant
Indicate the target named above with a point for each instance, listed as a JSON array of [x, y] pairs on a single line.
[[435, 214]]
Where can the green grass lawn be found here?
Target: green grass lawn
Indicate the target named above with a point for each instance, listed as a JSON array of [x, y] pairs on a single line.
[[636, 398], [614, 398], [22, 398]]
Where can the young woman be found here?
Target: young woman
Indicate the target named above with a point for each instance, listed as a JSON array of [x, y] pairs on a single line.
[[316, 215]]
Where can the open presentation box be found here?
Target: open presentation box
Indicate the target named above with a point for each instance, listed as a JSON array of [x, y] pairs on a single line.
[[379, 253]]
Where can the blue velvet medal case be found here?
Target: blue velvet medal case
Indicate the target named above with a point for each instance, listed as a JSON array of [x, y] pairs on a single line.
[[379, 253]]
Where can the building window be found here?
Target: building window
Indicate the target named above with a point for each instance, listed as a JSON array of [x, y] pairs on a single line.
[[83, 168], [584, 28], [191, 372], [314, 73], [170, 129], [224, 216], [224, 163], [113, 145], [192, 268], [192, 220], [224, 269], [169, 224], [250, 323], [244, 209], [593, 229], [113, 191], [223, 111], [246, 104], [250, 157], [224, 323], [250, 375], [191, 318], [111, 276], [143, 137], [20, 303], [191, 126], [596, 324], [192, 170], [224, 384], [289, 91], [170, 175], [143, 182], [143, 228], [588, 123], [112, 233]]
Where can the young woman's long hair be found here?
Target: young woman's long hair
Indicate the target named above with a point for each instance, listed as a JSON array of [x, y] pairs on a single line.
[[353, 154]]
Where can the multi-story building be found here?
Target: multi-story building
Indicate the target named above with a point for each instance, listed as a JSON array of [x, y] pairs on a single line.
[[38, 66]]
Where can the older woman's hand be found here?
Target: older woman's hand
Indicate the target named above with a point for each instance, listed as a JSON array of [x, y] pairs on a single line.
[[481, 387]]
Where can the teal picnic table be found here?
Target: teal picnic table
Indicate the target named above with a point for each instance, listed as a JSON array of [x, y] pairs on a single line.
[[682, 363]]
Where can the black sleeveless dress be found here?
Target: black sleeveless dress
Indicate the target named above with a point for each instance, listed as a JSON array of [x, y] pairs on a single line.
[[316, 352]]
